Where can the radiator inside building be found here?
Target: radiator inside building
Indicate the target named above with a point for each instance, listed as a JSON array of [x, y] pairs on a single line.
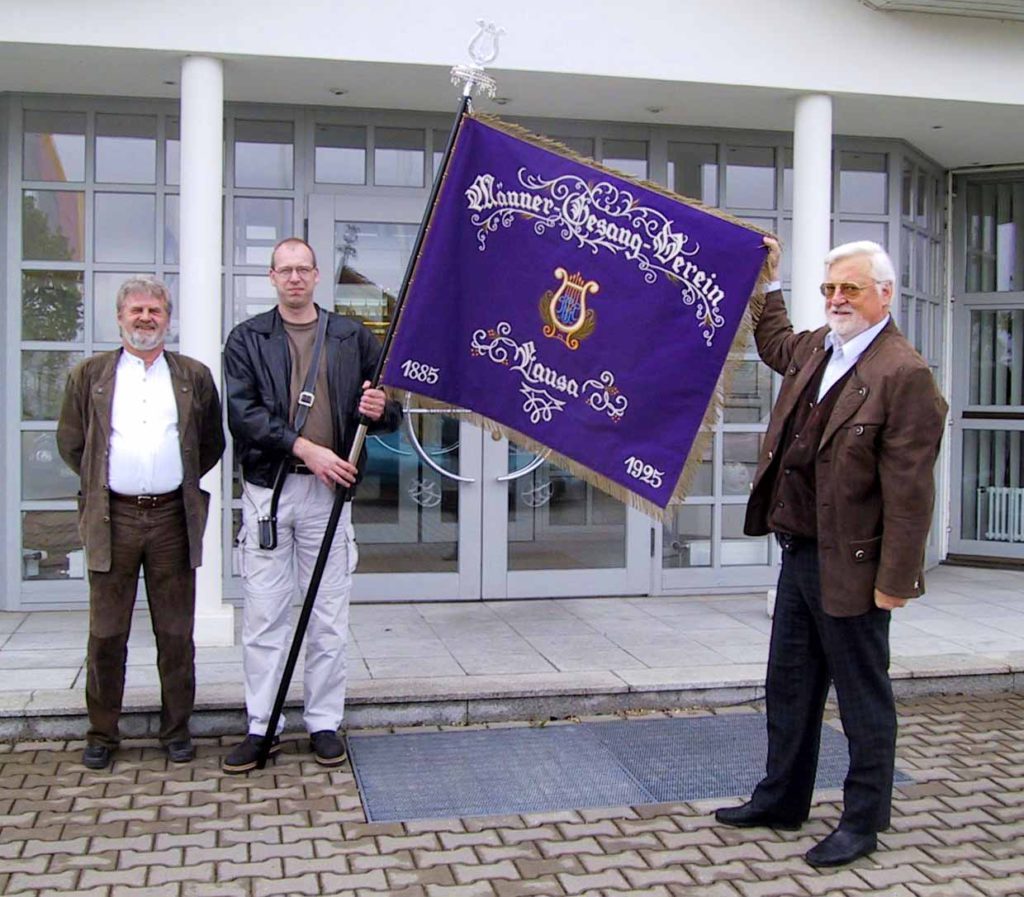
[[1001, 510]]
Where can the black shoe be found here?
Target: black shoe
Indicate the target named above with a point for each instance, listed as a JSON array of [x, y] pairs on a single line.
[[748, 816], [181, 751], [243, 756], [97, 756], [328, 748], [841, 847]]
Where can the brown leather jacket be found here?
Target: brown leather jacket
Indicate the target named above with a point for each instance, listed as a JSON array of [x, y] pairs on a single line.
[[83, 439], [874, 471]]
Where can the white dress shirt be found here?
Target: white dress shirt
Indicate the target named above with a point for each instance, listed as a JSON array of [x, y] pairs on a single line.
[[145, 453], [845, 355]]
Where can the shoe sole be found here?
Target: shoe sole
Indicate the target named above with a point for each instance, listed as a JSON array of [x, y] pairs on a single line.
[[248, 767], [777, 825], [180, 760], [330, 761], [96, 766]]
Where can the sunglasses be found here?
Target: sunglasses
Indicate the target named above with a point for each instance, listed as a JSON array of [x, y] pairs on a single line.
[[850, 290]]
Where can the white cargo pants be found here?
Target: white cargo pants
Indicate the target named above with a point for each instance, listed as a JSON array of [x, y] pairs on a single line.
[[272, 579]]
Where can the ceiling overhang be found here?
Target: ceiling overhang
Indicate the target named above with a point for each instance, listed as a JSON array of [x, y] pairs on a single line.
[[982, 9]]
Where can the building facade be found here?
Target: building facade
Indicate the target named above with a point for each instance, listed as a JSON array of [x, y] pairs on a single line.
[[184, 143]]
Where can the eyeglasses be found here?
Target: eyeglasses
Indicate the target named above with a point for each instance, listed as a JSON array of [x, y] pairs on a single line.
[[303, 271], [850, 290]]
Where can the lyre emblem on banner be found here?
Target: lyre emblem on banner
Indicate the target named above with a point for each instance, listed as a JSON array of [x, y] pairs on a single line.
[[564, 311]]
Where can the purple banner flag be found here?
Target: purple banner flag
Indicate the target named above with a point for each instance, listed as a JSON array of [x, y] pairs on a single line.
[[575, 309]]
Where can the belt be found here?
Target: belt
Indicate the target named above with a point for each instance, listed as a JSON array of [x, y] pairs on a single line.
[[148, 501], [299, 467], [791, 543]]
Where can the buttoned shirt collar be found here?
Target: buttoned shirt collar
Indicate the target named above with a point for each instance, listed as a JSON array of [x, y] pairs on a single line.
[[845, 355]]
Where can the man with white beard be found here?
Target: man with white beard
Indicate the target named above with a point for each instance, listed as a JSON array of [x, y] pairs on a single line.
[[140, 425]]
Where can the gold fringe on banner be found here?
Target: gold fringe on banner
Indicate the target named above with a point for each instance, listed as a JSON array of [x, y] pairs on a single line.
[[751, 315]]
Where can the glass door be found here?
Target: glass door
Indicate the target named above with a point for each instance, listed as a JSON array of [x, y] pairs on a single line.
[[445, 511]]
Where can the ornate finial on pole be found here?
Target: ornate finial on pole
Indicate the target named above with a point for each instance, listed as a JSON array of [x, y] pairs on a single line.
[[483, 50]]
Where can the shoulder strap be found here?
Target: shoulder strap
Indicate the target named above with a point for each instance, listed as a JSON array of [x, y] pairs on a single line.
[[305, 402]]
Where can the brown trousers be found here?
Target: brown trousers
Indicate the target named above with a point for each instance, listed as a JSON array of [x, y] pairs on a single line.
[[155, 540]]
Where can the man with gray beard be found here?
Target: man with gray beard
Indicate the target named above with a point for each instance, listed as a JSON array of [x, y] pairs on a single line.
[[140, 425]]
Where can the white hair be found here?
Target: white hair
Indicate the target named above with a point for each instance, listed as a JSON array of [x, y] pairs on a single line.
[[882, 268]]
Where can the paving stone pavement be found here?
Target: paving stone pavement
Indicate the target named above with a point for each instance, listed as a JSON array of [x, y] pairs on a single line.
[[293, 829]]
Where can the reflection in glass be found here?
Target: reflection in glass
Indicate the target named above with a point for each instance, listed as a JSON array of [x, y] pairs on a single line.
[[559, 522], [627, 156], [52, 225], [125, 226], [440, 139], [105, 285], [50, 546], [750, 177], [370, 260], [259, 225], [398, 156], [172, 151], [739, 461], [703, 482], [686, 540], [995, 216], [863, 182], [43, 375], [787, 179], [264, 154], [125, 149], [54, 146], [406, 514], [749, 400], [172, 222], [44, 475], [907, 190], [693, 171], [254, 294], [848, 231], [52, 306], [582, 146], [738, 549], [992, 495], [340, 154], [997, 350]]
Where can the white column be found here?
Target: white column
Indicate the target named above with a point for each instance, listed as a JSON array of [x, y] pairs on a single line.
[[812, 193], [202, 162]]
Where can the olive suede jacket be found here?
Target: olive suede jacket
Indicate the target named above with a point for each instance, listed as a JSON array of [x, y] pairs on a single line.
[[83, 440], [874, 469]]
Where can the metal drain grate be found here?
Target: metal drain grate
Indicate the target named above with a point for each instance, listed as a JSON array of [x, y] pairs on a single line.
[[484, 772]]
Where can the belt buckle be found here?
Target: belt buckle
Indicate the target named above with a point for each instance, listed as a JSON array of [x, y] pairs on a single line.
[[306, 398], [146, 501]]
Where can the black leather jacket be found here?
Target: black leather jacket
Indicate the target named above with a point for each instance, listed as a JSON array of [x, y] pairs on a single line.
[[257, 374]]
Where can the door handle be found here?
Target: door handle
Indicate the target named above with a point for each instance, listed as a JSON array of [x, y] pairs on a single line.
[[417, 445], [528, 468]]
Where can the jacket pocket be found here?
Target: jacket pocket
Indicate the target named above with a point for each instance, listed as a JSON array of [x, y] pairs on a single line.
[[865, 550]]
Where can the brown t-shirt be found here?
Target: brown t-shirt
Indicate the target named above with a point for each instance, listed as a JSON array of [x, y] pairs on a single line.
[[319, 427]]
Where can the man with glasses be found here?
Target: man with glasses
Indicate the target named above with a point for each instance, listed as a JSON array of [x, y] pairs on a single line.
[[266, 362], [845, 481], [140, 426]]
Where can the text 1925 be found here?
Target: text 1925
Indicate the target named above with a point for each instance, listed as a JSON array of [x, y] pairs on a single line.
[[646, 473]]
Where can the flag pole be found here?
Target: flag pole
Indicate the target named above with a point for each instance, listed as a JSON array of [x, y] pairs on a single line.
[[483, 49]]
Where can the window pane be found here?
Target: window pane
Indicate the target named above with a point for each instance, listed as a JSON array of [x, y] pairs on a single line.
[[52, 225], [50, 546], [923, 199], [43, 375], [172, 220], [125, 227], [787, 179], [440, 142], [863, 182], [995, 217], [44, 475], [52, 306], [848, 231], [583, 146], [686, 541], [172, 152], [628, 156], [738, 549], [907, 191], [340, 154], [254, 293], [992, 491], [750, 177], [125, 149], [264, 154], [398, 157], [739, 461], [259, 225], [749, 400], [997, 357], [54, 146], [693, 170]]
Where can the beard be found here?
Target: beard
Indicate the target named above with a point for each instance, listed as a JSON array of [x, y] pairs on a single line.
[[144, 340], [847, 326]]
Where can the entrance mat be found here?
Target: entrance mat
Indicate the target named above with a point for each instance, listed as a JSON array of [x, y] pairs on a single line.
[[485, 772]]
